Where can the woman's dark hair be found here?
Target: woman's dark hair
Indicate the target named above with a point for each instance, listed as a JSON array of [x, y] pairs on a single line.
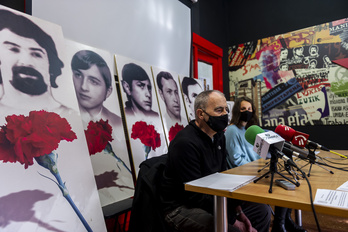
[[236, 113]]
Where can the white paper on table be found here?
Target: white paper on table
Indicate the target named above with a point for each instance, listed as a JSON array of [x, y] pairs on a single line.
[[343, 187], [222, 181], [331, 198]]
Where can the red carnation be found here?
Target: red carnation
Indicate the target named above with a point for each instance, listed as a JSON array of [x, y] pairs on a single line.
[[36, 137], [147, 134], [27, 137], [98, 134], [174, 130]]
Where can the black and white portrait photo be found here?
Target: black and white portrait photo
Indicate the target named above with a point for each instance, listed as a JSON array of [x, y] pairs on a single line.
[[92, 71], [170, 99], [44, 156], [191, 87], [141, 110]]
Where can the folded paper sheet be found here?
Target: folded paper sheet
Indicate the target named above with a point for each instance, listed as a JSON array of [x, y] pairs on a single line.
[[229, 182]]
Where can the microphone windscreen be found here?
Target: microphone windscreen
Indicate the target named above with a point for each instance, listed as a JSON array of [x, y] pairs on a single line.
[[286, 132], [251, 132], [287, 151]]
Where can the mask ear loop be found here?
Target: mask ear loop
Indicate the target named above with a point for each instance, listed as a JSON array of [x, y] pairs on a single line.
[[208, 116]]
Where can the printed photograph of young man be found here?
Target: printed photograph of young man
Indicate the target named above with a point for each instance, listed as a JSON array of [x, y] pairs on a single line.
[[92, 72], [36, 93], [170, 100], [141, 108]]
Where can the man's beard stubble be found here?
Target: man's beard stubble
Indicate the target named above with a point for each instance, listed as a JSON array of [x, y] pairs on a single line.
[[31, 86]]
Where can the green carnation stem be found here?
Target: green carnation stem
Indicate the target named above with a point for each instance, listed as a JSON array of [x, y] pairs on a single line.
[[68, 198], [49, 162], [147, 151], [108, 149]]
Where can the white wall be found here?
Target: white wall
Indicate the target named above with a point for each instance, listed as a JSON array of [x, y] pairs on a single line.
[[157, 32]]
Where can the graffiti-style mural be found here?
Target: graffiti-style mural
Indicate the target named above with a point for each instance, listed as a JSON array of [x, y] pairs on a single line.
[[292, 77]]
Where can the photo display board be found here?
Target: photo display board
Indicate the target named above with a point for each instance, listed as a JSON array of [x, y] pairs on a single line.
[[140, 103], [46, 174], [92, 72], [171, 101]]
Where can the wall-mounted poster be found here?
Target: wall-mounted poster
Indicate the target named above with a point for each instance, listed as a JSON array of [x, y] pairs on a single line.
[[45, 171], [191, 87], [144, 124], [170, 100], [92, 71], [205, 74], [292, 76]]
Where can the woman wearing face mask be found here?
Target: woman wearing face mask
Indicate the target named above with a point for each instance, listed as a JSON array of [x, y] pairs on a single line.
[[243, 116], [241, 152]]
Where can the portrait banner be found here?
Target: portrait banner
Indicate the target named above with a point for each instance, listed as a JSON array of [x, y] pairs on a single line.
[[92, 71], [190, 87], [140, 104], [170, 101], [45, 171]]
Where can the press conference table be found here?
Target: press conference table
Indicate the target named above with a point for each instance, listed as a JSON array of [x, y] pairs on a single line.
[[297, 199]]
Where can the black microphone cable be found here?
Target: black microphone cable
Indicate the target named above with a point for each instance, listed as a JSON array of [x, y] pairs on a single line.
[[340, 161], [324, 162], [310, 196], [345, 169]]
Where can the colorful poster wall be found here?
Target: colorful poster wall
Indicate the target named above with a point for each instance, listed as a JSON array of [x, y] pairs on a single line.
[[292, 77]]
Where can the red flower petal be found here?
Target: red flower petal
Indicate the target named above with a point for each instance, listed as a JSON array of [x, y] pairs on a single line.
[[147, 134], [174, 130], [24, 138], [98, 134]]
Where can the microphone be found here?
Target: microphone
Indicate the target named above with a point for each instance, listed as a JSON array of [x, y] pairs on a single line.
[[315, 145], [265, 142], [288, 152], [297, 138], [303, 153]]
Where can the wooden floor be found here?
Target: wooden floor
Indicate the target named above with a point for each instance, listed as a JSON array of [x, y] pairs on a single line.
[[327, 223]]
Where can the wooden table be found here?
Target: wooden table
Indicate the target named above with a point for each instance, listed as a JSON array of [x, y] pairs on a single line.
[[298, 199]]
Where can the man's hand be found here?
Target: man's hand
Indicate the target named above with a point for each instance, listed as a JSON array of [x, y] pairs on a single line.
[[243, 223]]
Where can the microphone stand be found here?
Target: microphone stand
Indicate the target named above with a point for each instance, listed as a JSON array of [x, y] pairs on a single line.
[[280, 166], [266, 165], [292, 172], [290, 169], [272, 171], [312, 160]]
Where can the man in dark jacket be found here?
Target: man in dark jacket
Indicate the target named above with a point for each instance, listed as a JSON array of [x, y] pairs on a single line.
[[197, 151]]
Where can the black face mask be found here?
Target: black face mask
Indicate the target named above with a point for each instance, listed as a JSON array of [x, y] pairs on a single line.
[[217, 123], [245, 116]]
